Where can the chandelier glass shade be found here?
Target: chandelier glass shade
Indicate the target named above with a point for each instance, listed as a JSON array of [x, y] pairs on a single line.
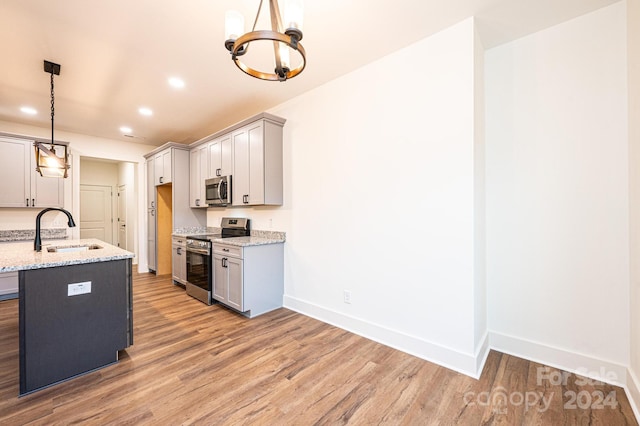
[[285, 38]]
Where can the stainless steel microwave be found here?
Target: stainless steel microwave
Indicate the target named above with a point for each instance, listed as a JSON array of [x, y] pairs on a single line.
[[218, 191]]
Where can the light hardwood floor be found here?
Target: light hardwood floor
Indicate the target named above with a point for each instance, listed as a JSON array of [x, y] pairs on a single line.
[[197, 364]]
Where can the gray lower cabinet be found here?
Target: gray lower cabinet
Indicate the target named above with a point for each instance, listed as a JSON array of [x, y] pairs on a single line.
[[249, 279], [8, 285], [179, 260]]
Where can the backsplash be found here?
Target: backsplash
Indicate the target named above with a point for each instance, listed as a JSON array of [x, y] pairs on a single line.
[[30, 234]]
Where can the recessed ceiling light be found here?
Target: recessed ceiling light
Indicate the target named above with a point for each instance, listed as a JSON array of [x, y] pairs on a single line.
[[125, 129], [145, 111], [176, 82], [28, 110]]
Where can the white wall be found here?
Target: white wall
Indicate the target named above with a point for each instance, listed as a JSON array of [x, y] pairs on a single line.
[[85, 146], [557, 194], [379, 200], [633, 60]]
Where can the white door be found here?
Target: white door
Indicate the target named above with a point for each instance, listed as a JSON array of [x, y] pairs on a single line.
[[96, 217], [122, 216]]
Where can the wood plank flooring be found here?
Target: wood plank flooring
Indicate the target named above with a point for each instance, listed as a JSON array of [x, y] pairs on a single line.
[[197, 364]]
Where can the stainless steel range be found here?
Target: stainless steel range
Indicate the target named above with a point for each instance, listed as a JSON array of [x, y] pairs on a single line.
[[200, 256]]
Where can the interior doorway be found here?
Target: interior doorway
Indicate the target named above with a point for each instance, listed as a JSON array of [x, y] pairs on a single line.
[[96, 212]]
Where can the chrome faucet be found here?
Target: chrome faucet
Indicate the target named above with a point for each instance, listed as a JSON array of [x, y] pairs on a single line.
[[37, 243]]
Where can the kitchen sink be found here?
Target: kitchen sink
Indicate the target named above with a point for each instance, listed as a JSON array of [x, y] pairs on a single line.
[[67, 249]]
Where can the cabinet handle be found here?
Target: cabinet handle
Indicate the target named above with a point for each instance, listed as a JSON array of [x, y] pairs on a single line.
[[27, 202], [224, 249], [153, 212], [197, 201], [153, 204], [161, 179], [224, 262], [179, 251], [245, 199], [218, 172], [33, 202]]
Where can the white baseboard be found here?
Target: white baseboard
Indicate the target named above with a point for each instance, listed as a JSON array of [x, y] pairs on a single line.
[[583, 365], [467, 364], [633, 392]]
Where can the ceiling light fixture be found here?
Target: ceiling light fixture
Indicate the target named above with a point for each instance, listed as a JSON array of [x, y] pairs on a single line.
[[238, 44], [176, 82], [28, 110], [125, 129], [48, 162], [145, 111]]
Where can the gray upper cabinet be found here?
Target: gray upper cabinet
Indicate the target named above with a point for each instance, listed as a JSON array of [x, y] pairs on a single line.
[[251, 153], [23, 186], [221, 157], [199, 166], [257, 164], [163, 167]]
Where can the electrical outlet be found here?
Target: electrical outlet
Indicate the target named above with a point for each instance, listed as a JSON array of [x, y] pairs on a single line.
[[79, 288], [347, 296]]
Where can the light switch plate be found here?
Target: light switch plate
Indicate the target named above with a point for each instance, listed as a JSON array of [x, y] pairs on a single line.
[[76, 289]]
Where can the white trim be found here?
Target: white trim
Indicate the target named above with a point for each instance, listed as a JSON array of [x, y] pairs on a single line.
[[583, 365], [632, 390], [452, 359], [482, 353]]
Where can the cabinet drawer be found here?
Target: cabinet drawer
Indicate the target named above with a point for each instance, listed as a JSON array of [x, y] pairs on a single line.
[[225, 250], [180, 241], [8, 283]]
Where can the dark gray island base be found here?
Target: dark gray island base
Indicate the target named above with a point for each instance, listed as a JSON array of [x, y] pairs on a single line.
[[67, 331]]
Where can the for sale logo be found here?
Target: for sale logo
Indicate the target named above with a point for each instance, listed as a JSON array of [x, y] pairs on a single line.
[[595, 400]]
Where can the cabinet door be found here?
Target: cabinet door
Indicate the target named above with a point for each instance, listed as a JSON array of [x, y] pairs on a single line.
[[226, 156], [194, 178], [15, 174], [151, 239], [240, 182], [235, 290], [151, 185], [162, 167], [178, 265], [215, 158], [167, 166], [256, 164], [203, 158], [220, 279]]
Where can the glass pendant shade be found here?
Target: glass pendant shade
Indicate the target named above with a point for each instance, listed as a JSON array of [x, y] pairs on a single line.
[[49, 163], [233, 25], [293, 12]]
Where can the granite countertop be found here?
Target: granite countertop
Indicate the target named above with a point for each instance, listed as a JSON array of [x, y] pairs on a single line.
[[29, 234], [257, 238], [20, 255], [247, 241]]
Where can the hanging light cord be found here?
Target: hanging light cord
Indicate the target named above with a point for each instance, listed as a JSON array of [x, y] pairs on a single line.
[[52, 106], [257, 16]]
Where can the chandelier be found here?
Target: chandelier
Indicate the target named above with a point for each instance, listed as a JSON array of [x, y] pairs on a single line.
[[238, 43], [48, 162]]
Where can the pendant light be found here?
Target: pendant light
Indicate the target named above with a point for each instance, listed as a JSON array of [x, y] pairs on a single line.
[[285, 39], [49, 162]]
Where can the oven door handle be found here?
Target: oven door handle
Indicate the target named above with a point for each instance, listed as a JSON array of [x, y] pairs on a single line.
[[199, 251]]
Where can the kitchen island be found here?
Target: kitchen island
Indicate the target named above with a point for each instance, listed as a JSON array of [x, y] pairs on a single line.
[[75, 307]]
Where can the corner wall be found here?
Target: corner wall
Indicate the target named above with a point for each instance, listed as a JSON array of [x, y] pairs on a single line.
[[557, 195], [379, 200], [633, 73]]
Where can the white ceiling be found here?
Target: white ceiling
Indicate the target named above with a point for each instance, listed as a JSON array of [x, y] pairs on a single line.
[[117, 55]]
